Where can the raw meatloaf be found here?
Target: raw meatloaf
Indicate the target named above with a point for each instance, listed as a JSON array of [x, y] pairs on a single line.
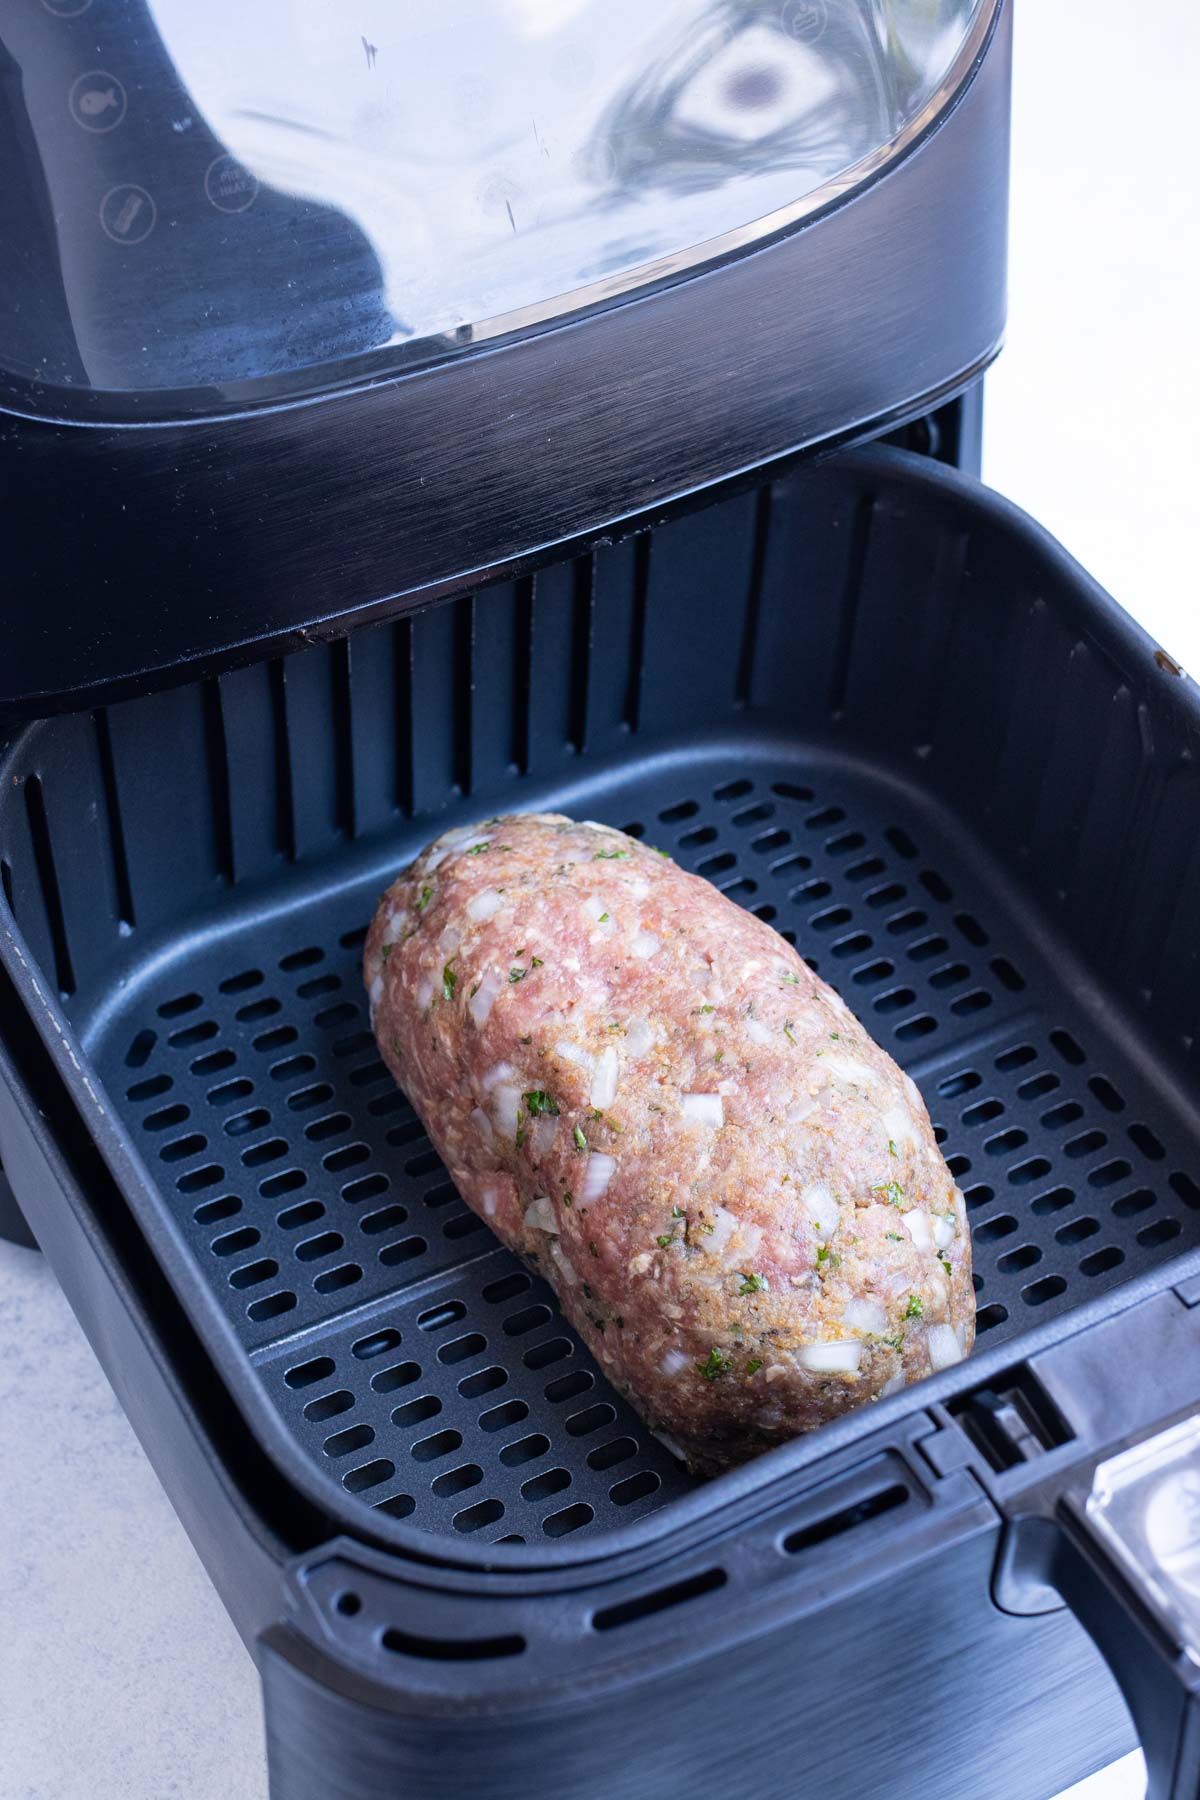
[[648, 1094]]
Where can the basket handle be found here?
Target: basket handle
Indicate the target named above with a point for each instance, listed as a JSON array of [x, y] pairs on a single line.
[[1126, 1559]]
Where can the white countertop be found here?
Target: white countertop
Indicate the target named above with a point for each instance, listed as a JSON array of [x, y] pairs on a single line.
[[121, 1676]]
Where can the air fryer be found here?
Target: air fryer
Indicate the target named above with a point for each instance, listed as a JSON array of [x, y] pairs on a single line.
[[554, 404]]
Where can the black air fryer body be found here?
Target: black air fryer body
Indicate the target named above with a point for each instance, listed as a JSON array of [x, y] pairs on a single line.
[[296, 581]]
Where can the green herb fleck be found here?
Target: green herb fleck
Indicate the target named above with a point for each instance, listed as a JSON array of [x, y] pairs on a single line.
[[719, 1057], [426, 897], [753, 1284], [539, 1101], [592, 1250], [610, 855], [788, 1032], [945, 1262], [568, 1197], [892, 1192], [449, 982], [614, 1026], [707, 1009], [916, 1307], [477, 849], [473, 991], [708, 1229], [894, 1237], [659, 852], [827, 1258], [754, 1365], [536, 963], [580, 1140], [603, 919], [718, 1364], [517, 974], [667, 1237], [788, 976], [525, 1040], [836, 1036], [385, 952], [677, 1212], [892, 1148]]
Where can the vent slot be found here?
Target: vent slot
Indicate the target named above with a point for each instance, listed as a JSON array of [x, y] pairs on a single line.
[[628, 1612], [847, 1518]]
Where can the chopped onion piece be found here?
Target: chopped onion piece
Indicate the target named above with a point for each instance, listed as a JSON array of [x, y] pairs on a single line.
[[449, 940], [575, 1053], [724, 1225], [484, 1125], [644, 945], [917, 1225], [668, 1443], [832, 1358], [914, 1093], [944, 1347], [865, 1315], [700, 977], [944, 1233], [675, 1362], [483, 999], [822, 1209], [395, 927], [845, 1068], [599, 1172], [539, 1215], [638, 1037], [640, 889], [500, 1071], [542, 1136], [506, 1103], [752, 1237], [484, 905], [566, 1267], [595, 908], [800, 1110], [424, 994], [703, 1109], [758, 1033], [605, 1077], [377, 990], [898, 1123], [491, 1198], [893, 1386]]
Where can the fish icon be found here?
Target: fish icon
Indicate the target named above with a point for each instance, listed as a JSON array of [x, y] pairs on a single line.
[[98, 100]]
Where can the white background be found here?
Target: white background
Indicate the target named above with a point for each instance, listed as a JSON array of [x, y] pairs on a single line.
[[121, 1676]]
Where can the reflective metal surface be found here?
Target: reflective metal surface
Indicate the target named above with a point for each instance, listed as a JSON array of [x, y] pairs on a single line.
[[257, 200], [1145, 1504]]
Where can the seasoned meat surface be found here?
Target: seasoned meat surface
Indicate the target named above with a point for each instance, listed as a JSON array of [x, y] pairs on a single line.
[[649, 1095]]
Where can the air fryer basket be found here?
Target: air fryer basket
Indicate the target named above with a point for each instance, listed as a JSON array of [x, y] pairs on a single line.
[[895, 726]]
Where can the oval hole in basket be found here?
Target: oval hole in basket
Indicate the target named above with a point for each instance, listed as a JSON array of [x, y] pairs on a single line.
[[378, 1343]]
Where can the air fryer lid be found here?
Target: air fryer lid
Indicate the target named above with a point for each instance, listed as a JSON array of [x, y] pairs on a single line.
[[404, 303], [239, 200]]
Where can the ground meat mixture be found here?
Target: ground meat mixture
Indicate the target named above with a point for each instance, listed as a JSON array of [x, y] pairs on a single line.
[[647, 1093]]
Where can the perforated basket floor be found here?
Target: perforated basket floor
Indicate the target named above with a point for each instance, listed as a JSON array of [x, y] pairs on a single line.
[[416, 1361]]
